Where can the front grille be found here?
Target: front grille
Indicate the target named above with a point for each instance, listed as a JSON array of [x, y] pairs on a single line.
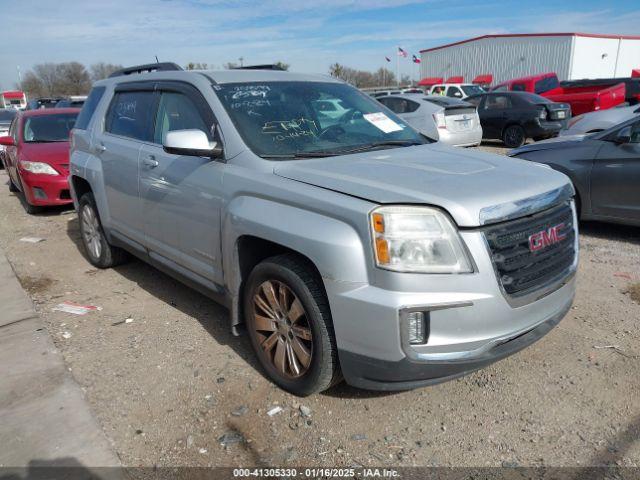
[[532, 252]]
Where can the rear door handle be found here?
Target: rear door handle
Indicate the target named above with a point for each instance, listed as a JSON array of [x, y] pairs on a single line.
[[150, 162]]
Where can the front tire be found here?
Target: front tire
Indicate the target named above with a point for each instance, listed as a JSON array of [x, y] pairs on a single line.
[[99, 252], [289, 323], [514, 136]]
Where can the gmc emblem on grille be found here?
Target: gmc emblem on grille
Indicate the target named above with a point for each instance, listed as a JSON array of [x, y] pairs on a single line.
[[545, 238]]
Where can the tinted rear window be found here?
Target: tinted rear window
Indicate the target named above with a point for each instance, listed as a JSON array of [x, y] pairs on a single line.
[[546, 84], [131, 115], [89, 107]]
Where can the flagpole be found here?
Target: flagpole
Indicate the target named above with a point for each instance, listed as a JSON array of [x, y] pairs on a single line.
[[398, 67]]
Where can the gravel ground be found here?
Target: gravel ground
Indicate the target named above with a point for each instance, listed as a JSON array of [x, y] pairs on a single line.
[[171, 386]]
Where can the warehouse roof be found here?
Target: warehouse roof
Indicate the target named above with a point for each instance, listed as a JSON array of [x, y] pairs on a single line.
[[507, 35]]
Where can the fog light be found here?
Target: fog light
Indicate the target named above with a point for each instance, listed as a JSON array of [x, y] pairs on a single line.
[[417, 328]]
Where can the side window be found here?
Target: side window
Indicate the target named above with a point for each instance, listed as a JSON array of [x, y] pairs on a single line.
[[131, 115], [497, 102], [89, 108], [501, 88], [518, 87], [177, 111], [454, 92]]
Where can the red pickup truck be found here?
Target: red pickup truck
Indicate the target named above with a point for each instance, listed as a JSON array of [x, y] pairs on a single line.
[[582, 98]]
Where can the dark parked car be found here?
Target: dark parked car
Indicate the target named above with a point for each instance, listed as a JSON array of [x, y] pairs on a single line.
[[43, 102], [604, 168], [72, 102], [515, 116]]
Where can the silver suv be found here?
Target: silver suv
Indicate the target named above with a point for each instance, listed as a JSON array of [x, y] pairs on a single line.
[[346, 245]]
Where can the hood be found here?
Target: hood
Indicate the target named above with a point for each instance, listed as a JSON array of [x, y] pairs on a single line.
[[461, 181], [55, 154], [555, 143]]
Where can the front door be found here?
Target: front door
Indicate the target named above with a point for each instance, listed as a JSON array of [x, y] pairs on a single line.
[[128, 125], [615, 178], [181, 195]]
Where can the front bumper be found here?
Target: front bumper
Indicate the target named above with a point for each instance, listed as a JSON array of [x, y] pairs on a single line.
[[472, 323], [45, 190]]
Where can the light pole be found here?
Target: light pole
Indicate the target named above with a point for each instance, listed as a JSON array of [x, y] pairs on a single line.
[[241, 61]]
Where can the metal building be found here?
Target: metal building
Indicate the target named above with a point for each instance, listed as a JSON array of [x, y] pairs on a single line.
[[571, 55]]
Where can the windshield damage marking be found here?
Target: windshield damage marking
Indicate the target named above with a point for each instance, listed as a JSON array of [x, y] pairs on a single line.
[[290, 129]]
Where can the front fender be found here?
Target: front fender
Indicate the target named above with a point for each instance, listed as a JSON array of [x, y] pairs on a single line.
[[332, 244]]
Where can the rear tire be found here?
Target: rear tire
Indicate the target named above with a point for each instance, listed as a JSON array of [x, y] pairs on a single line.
[[97, 248], [514, 136], [289, 323]]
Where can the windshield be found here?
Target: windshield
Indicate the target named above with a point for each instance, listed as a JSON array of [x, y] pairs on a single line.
[[472, 89], [300, 119], [48, 128]]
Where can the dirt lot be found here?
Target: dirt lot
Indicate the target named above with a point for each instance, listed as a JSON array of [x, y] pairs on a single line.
[[171, 384]]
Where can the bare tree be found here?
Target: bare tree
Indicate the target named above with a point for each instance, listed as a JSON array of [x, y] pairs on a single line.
[[47, 73], [362, 78], [231, 65], [102, 70], [196, 66], [72, 79]]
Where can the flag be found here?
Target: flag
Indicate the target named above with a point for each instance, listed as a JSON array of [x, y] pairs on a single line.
[[402, 53], [387, 59], [415, 59]]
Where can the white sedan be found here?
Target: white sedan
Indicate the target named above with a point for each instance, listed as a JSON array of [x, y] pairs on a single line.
[[448, 120]]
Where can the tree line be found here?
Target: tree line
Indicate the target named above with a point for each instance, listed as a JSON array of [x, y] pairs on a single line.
[[74, 78], [63, 79], [382, 77]]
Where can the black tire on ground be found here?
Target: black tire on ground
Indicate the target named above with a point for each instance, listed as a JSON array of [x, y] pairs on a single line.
[[303, 282], [12, 186], [100, 253], [30, 209], [514, 136]]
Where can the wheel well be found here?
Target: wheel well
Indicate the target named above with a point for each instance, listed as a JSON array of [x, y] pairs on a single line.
[[253, 250], [80, 186]]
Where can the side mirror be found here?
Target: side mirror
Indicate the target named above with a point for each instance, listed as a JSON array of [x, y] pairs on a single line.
[[193, 143], [623, 136], [7, 141]]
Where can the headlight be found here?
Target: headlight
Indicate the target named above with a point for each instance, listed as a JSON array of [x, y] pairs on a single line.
[[38, 167], [417, 239]]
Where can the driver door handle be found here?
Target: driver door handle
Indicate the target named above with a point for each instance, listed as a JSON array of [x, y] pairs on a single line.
[[150, 162]]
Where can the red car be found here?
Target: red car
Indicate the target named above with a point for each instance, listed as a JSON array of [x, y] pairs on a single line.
[[582, 98], [37, 156]]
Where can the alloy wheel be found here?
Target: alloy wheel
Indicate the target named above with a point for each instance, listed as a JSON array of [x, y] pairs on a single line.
[[91, 232], [282, 327]]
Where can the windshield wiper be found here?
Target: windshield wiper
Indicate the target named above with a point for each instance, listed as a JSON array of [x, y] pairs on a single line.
[[386, 143], [277, 156]]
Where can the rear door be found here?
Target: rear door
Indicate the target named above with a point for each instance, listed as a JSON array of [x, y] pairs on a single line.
[[494, 114], [615, 179], [182, 195], [128, 125]]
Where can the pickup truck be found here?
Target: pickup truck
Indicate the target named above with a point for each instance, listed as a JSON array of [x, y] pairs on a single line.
[[632, 86], [582, 98], [345, 247]]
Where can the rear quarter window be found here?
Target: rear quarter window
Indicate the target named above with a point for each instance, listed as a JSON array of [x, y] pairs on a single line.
[[89, 108]]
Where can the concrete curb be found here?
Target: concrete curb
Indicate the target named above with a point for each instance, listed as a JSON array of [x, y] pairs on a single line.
[[44, 418]]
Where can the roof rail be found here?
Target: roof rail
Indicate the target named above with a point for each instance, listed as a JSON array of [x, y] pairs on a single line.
[[149, 67], [260, 67]]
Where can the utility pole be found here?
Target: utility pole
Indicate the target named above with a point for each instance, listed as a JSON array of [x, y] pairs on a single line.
[[19, 76]]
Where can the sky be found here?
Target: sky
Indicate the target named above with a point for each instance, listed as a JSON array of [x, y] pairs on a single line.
[[308, 35]]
